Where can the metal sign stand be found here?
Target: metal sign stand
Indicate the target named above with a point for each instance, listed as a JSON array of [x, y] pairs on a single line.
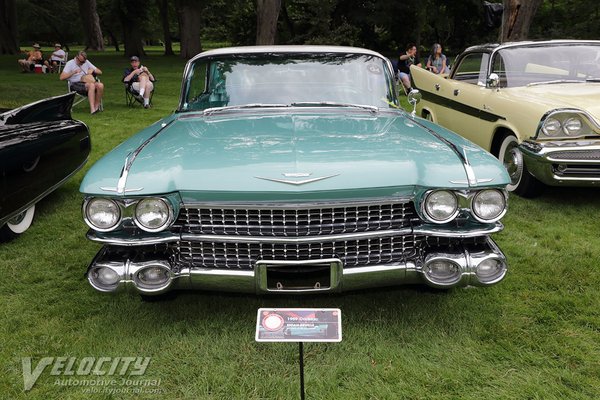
[[301, 348]]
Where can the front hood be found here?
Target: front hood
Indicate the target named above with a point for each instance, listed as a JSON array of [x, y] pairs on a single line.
[[584, 96], [274, 153]]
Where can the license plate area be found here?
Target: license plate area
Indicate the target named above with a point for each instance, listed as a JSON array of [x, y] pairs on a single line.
[[298, 276]]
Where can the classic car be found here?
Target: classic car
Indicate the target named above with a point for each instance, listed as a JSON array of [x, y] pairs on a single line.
[[292, 169], [534, 105], [40, 148]]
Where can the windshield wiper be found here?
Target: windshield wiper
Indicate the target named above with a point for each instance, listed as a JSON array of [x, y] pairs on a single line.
[[555, 81], [334, 104], [242, 106]]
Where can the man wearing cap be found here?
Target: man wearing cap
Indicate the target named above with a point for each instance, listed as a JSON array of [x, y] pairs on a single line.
[[33, 57], [139, 78], [81, 74], [58, 56]]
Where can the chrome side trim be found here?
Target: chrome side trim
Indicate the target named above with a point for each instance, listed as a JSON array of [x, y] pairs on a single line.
[[284, 205]]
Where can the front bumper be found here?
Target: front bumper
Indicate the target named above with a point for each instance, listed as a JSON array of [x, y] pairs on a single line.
[[563, 163], [126, 264]]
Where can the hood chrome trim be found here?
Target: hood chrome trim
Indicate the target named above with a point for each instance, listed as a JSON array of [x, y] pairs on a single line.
[[297, 183]]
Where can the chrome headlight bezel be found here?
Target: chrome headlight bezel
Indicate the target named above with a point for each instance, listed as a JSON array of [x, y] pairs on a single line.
[[88, 219], [426, 206], [166, 221], [502, 197], [566, 124]]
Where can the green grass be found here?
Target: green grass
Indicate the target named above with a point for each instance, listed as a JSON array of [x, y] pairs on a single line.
[[534, 336]]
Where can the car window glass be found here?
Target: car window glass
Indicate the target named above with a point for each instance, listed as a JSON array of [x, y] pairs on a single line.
[[472, 69]]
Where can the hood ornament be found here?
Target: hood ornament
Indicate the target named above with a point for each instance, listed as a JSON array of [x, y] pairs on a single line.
[[296, 175]]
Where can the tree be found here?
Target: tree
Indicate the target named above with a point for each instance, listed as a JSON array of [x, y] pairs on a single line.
[[267, 14], [8, 27], [91, 25], [132, 14], [517, 18], [190, 22], [163, 11]]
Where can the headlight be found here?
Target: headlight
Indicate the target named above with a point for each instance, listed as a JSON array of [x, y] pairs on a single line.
[[440, 206], [572, 126], [152, 214], [488, 205], [102, 214], [551, 127]]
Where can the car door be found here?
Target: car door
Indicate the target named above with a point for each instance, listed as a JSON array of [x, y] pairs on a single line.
[[457, 102]]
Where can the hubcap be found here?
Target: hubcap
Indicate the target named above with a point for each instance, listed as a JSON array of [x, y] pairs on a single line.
[[17, 219], [513, 162]]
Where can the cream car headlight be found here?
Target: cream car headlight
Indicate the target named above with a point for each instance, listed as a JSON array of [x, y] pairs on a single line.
[[572, 126], [488, 205], [567, 124], [440, 206], [551, 127], [102, 214], [153, 214]]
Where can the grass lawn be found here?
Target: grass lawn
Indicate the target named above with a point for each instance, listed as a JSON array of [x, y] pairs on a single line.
[[534, 336]]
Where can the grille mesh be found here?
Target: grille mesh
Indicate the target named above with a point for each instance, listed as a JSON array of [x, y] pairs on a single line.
[[583, 155], [282, 222]]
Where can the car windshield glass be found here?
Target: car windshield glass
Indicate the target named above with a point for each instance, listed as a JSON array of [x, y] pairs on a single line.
[[538, 65], [288, 80]]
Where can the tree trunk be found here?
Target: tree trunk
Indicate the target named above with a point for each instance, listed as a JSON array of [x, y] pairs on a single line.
[[163, 10], [91, 25], [267, 13], [113, 40], [517, 18], [189, 15], [8, 27]]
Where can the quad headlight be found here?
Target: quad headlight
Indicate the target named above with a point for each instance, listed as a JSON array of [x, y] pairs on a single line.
[[440, 206], [153, 214], [566, 124], [488, 205], [102, 214]]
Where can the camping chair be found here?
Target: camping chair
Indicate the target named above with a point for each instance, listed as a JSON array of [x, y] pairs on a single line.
[[132, 96], [80, 95], [61, 64]]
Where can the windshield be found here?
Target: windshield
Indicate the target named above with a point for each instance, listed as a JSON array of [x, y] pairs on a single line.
[[280, 80], [522, 66]]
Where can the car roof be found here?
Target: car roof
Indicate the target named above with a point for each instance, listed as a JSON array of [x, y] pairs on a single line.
[[527, 43], [291, 49]]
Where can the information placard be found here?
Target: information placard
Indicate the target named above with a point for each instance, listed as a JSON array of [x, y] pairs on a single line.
[[299, 325]]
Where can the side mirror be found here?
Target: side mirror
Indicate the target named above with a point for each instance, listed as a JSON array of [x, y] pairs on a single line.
[[414, 97], [493, 80]]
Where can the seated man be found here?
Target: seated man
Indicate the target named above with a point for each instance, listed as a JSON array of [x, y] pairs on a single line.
[[58, 56], [33, 57], [139, 78], [82, 76], [405, 60]]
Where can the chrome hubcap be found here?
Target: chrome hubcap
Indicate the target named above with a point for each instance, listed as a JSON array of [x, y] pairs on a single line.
[[513, 162]]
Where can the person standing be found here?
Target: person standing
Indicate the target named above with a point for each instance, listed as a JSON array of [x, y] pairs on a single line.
[[405, 60], [139, 78], [81, 74]]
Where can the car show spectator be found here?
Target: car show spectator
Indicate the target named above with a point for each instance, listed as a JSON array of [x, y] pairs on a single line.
[[437, 62], [405, 60], [82, 77], [33, 57], [139, 80], [57, 57]]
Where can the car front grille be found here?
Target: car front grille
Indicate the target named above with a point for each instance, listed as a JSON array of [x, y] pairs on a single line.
[[243, 255], [286, 221], [575, 155]]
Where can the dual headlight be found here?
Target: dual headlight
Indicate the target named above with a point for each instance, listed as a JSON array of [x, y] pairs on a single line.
[[565, 124], [150, 214], [442, 206]]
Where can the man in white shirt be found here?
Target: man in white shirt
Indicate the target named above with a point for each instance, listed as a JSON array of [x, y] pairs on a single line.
[[58, 56], [82, 75]]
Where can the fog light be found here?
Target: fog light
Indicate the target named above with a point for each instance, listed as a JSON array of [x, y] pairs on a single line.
[[443, 272], [153, 276], [490, 270], [104, 278]]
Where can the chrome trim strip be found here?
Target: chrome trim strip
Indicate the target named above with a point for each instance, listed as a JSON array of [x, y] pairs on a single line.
[[294, 240], [284, 205], [297, 183], [132, 241]]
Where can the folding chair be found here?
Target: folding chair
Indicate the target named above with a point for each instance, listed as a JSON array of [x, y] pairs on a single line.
[[61, 64], [80, 95], [132, 96]]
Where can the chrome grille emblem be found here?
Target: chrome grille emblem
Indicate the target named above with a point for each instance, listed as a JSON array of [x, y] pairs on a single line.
[[296, 175]]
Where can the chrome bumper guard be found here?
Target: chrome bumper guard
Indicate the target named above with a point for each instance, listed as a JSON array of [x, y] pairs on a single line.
[[120, 269]]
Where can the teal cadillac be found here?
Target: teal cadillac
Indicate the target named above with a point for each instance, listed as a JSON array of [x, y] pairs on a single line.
[[292, 169]]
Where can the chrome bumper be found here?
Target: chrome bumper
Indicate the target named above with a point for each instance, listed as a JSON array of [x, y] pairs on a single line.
[[563, 164], [127, 265]]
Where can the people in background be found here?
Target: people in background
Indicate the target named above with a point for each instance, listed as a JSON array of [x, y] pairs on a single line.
[[81, 74], [33, 57], [405, 60], [139, 78], [437, 62], [57, 57]]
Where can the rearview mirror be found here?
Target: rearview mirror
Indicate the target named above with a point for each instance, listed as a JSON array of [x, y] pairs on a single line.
[[414, 97], [493, 80]]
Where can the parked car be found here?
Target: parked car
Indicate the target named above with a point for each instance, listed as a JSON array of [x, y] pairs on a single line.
[[40, 148], [292, 169], [534, 105]]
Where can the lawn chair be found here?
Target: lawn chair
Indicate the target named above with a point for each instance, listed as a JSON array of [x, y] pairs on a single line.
[[81, 95], [61, 64], [132, 96]]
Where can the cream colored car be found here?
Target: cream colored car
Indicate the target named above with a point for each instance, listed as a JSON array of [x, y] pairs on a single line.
[[534, 105]]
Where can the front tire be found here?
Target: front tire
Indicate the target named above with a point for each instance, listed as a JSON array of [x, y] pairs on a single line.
[[521, 181], [17, 225]]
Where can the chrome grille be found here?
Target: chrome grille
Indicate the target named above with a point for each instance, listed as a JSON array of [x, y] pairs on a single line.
[[353, 253], [583, 155], [295, 221]]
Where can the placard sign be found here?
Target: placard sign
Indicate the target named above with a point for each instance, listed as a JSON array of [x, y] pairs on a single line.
[[299, 325]]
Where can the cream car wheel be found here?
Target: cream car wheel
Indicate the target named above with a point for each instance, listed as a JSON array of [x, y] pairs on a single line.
[[511, 157], [18, 224]]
